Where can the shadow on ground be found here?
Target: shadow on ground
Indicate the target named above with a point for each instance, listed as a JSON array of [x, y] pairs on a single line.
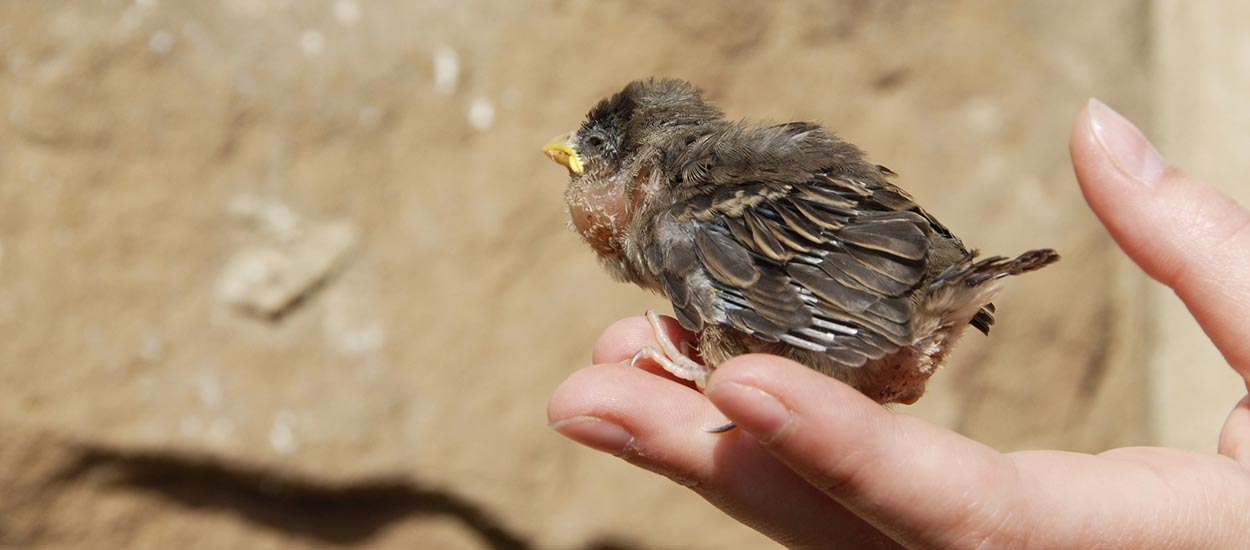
[[338, 514]]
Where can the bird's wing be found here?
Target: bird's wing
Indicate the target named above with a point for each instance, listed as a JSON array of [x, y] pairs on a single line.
[[825, 264]]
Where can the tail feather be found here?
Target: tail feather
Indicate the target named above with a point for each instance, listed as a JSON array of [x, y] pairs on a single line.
[[971, 272], [984, 319]]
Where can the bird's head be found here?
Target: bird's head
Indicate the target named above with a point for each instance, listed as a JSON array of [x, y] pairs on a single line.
[[608, 156]]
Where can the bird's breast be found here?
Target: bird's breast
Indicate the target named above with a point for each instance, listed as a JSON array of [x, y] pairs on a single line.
[[601, 214]]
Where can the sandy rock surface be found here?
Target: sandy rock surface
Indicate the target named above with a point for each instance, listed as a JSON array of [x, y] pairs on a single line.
[[283, 274]]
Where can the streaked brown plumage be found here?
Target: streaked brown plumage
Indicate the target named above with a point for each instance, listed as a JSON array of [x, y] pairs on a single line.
[[774, 238]]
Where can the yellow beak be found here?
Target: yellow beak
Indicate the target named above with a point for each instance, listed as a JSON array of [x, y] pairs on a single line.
[[561, 150]]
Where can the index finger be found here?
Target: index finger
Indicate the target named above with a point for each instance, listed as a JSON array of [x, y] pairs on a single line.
[[1181, 231]]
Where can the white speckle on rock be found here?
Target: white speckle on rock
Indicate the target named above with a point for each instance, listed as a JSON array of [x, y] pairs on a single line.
[[446, 70], [481, 114], [281, 434], [253, 280], [161, 42], [362, 340], [347, 12], [312, 41]]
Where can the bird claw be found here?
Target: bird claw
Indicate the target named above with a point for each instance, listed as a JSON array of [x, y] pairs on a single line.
[[721, 429], [670, 358]]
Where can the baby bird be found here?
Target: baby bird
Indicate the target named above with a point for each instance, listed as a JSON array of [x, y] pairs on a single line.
[[773, 238]]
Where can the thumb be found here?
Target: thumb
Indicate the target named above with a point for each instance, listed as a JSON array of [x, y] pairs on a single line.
[[911, 480]]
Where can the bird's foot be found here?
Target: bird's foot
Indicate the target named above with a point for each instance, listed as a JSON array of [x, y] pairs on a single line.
[[676, 362]]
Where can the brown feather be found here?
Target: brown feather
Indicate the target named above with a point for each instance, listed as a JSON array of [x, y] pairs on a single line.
[[847, 270], [905, 272], [895, 237], [820, 216], [798, 222], [765, 242], [843, 296], [826, 196], [784, 234], [725, 259]]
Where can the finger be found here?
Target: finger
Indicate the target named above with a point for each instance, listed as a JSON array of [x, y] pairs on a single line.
[[1235, 437], [918, 483], [1181, 231], [659, 425], [622, 339]]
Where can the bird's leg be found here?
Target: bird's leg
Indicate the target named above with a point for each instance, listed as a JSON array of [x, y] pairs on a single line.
[[675, 361]]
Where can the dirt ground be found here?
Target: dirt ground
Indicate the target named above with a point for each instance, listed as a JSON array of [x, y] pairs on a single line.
[[288, 274]]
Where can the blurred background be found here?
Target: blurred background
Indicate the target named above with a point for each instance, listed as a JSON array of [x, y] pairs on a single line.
[[293, 273]]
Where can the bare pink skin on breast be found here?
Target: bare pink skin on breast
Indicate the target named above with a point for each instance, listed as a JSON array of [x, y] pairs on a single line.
[[600, 213]]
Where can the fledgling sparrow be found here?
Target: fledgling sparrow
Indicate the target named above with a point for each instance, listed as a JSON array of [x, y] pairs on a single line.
[[773, 238]]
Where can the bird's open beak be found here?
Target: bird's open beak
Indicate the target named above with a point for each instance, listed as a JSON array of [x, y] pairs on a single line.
[[561, 150]]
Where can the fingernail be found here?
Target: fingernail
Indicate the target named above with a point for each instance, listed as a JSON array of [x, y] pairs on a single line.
[[594, 432], [752, 409], [1125, 145]]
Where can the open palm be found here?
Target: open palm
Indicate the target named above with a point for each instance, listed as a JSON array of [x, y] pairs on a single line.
[[817, 465]]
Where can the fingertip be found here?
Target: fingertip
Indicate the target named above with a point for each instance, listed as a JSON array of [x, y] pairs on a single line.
[[616, 341], [1080, 137], [1124, 145], [594, 432], [623, 338], [1180, 230], [1140, 208], [1100, 135], [1083, 148], [572, 397], [758, 412], [1235, 436], [625, 395]]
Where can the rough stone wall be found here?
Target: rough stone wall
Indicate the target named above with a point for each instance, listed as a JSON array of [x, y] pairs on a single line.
[[277, 273]]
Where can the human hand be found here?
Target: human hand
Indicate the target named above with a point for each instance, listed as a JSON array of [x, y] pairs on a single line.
[[815, 464]]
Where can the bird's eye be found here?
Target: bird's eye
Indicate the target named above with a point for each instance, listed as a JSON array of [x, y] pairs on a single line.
[[595, 141]]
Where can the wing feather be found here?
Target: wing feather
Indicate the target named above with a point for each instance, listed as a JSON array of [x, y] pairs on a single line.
[[814, 260], [765, 242], [726, 259]]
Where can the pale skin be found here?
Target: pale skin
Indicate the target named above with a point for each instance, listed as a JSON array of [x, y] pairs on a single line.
[[814, 464]]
